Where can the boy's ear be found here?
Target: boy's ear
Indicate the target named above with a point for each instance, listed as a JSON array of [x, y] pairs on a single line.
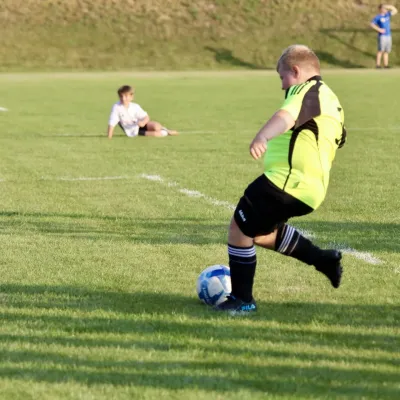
[[296, 71]]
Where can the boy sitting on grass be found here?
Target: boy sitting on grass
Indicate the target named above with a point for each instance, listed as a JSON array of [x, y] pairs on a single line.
[[132, 118]]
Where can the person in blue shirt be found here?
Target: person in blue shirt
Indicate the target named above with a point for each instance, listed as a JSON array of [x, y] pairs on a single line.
[[381, 24]]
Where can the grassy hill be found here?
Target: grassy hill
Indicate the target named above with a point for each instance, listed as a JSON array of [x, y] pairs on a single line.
[[182, 34]]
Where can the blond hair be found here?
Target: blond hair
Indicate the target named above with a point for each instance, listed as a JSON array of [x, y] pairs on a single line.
[[300, 55]]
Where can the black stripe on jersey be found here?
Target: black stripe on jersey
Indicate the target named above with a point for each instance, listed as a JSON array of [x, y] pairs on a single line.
[[289, 92], [294, 89], [298, 89], [301, 88], [342, 139], [310, 125], [311, 106], [293, 139]]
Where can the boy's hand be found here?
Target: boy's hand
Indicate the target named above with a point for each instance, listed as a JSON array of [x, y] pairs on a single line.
[[257, 148], [279, 123], [110, 131]]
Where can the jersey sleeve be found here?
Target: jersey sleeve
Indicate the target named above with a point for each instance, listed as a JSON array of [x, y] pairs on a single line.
[[140, 113], [302, 103], [114, 117], [375, 20]]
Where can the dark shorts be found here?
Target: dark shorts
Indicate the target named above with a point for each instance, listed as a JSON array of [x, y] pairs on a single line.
[[142, 130], [264, 207]]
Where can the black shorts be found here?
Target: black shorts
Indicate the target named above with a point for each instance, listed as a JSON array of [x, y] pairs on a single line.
[[264, 207], [142, 130]]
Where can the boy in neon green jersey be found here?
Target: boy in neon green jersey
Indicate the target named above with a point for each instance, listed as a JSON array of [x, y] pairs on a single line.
[[300, 141]]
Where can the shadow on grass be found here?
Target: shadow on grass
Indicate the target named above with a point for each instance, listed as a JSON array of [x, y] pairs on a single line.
[[226, 57], [337, 34], [116, 228], [364, 236], [75, 298], [73, 318], [283, 380], [332, 60]]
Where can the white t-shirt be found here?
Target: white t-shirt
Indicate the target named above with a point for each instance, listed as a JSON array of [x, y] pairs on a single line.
[[127, 118]]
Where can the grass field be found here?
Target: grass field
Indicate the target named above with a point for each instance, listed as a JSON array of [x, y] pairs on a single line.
[[102, 241]]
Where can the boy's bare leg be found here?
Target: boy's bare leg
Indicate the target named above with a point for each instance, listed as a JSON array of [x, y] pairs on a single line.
[[385, 59], [153, 126], [378, 58], [155, 134]]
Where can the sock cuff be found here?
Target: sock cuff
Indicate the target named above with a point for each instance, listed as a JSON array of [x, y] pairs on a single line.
[[288, 236], [245, 252]]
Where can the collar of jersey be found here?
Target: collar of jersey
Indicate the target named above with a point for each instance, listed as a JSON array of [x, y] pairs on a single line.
[[315, 78]]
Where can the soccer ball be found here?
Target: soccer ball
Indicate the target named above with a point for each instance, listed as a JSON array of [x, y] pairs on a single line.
[[214, 284]]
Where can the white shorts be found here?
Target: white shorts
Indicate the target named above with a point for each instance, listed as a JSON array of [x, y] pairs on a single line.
[[385, 44]]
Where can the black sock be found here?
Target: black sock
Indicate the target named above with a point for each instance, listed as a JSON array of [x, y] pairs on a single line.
[[242, 262], [292, 243]]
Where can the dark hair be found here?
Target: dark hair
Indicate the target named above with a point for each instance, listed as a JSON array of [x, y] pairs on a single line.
[[381, 6], [125, 89]]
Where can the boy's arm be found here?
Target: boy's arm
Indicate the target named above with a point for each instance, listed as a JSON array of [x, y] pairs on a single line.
[[110, 131], [142, 116], [300, 106], [376, 27], [112, 121], [393, 10], [144, 121], [279, 123]]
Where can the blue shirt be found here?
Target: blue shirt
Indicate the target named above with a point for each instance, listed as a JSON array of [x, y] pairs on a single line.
[[383, 21]]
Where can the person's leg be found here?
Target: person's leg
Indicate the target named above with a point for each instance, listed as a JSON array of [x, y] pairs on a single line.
[[259, 219], [378, 59], [154, 126], [288, 241], [385, 59], [387, 50], [379, 52], [152, 129], [248, 221], [242, 262]]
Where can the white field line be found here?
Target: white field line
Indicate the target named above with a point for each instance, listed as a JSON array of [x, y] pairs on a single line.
[[361, 255], [74, 135], [90, 178], [188, 192], [365, 256], [3, 109]]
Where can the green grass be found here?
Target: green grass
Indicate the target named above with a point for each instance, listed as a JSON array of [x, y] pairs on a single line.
[[114, 35], [98, 277]]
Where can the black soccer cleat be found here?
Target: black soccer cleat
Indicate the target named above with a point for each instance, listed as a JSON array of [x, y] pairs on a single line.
[[329, 264], [234, 306]]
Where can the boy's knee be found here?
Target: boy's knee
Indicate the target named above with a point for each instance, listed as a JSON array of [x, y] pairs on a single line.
[[156, 126], [237, 237]]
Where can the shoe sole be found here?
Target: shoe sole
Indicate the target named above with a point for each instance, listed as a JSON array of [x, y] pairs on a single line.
[[241, 313]]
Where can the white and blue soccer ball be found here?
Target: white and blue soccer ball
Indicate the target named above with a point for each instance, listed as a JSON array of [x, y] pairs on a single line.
[[214, 284]]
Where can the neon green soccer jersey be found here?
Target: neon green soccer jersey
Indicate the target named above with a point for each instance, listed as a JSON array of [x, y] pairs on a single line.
[[299, 161]]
